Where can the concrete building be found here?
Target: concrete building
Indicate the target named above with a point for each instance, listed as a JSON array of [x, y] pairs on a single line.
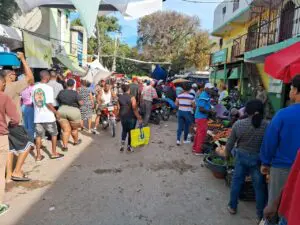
[[249, 31]]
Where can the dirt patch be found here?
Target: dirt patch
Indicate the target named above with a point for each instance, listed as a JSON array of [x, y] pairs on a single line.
[[106, 171], [178, 165], [31, 185]]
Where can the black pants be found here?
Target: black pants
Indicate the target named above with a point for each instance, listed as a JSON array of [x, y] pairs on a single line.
[[127, 126]]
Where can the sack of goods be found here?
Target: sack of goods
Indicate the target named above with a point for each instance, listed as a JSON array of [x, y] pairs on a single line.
[[140, 136]]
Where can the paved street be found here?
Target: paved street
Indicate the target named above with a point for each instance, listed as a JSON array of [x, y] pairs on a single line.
[[96, 184]]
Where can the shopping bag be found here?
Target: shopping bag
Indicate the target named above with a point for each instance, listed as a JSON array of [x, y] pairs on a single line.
[[140, 136]]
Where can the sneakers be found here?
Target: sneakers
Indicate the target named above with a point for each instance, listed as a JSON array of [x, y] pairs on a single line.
[[3, 209], [187, 142], [122, 146], [130, 149], [95, 131]]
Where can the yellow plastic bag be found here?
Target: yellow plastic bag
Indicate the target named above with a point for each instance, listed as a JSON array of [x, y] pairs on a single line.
[[140, 136]]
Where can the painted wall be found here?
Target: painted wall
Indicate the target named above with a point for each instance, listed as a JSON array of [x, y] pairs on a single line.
[[220, 18]]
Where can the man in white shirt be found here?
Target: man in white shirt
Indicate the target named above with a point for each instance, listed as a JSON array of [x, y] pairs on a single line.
[[57, 87], [44, 114]]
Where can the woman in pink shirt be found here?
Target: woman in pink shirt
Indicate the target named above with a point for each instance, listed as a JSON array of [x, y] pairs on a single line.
[[28, 110]]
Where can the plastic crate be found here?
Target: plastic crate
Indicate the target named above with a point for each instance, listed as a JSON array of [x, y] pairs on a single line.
[[9, 59]]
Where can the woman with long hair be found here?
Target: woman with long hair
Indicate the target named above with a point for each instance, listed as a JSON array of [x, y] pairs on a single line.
[[70, 117], [246, 139], [128, 113]]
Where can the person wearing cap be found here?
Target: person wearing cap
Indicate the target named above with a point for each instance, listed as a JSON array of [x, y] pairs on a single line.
[[194, 90], [203, 109]]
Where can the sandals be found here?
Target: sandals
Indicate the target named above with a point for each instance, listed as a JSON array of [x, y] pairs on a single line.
[[65, 149], [40, 159], [20, 179], [78, 142], [3, 209], [58, 156]]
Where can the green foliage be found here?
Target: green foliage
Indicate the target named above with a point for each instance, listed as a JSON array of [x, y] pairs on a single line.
[[76, 22], [8, 9]]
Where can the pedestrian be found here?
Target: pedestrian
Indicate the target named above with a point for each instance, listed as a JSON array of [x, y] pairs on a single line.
[[128, 112], [57, 88], [44, 115], [223, 94], [179, 90], [7, 110], [88, 104], [70, 117], [134, 88], [185, 102], [14, 88], [28, 110], [287, 203], [148, 94], [245, 140], [194, 90], [261, 94], [203, 109], [281, 143]]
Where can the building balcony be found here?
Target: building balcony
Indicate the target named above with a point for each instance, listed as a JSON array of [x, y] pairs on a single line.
[[284, 27]]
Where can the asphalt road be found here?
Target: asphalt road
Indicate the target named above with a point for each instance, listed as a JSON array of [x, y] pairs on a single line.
[[160, 184]]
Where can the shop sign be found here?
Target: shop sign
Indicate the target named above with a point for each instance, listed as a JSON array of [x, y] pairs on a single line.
[[275, 86], [219, 57]]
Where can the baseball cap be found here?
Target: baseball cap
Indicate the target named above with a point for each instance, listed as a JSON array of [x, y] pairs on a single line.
[[194, 85], [208, 85]]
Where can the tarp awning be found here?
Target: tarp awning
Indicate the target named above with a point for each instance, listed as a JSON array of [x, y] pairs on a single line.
[[130, 9], [235, 74], [38, 51], [68, 63], [220, 75], [284, 64], [11, 37]]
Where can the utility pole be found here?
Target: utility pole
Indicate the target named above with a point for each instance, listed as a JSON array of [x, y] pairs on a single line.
[[114, 66], [98, 40]]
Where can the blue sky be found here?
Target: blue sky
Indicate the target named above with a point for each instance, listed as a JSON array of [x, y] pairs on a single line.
[[204, 11]]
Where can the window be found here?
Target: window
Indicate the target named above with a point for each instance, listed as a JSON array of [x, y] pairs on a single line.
[[236, 5], [224, 11], [221, 43]]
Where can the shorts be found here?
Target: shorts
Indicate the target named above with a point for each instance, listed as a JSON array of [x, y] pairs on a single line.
[[70, 113], [42, 128]]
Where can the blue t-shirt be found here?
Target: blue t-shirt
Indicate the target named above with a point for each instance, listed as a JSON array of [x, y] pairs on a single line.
[[202, 101]]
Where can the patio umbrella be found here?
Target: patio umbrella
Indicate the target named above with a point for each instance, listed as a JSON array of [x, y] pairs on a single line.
[[284, 64], [180, 80]]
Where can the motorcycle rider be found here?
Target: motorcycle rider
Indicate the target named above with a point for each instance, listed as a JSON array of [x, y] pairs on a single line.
[[104, 97]]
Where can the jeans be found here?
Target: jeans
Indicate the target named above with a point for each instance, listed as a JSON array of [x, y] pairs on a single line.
[[248, 163], [283, 222], [200, 135], [28, 119], [127, 126], [184, 123], [147, 108]]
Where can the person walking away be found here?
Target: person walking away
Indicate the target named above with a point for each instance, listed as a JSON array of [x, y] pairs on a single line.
[[281, 143], [44, 115], [287, 203], [185, 103], [104, 97], [70, 117], [86, 109], [194, 90], [203, 109], [262, 94], [57, 88], [223, 94], [7, 110], [14, 88], [128, 112], [28, 110], [134, 88], [179, 90], [148, 94], [246, 139]]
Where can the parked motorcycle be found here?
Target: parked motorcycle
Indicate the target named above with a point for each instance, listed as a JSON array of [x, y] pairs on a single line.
[[108, 118]]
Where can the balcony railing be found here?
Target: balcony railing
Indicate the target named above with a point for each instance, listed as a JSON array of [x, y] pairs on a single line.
[[283, 27]]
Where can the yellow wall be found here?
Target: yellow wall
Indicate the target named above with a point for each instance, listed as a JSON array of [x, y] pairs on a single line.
[[264, 77]]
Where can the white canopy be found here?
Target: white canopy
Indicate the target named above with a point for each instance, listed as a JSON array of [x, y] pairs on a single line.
[[96, 72], [130, 9]]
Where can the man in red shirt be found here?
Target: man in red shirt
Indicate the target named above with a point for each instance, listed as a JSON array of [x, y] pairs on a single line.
[[7, 109]]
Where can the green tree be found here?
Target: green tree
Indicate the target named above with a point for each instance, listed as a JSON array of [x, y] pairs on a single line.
[[8, 9]]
